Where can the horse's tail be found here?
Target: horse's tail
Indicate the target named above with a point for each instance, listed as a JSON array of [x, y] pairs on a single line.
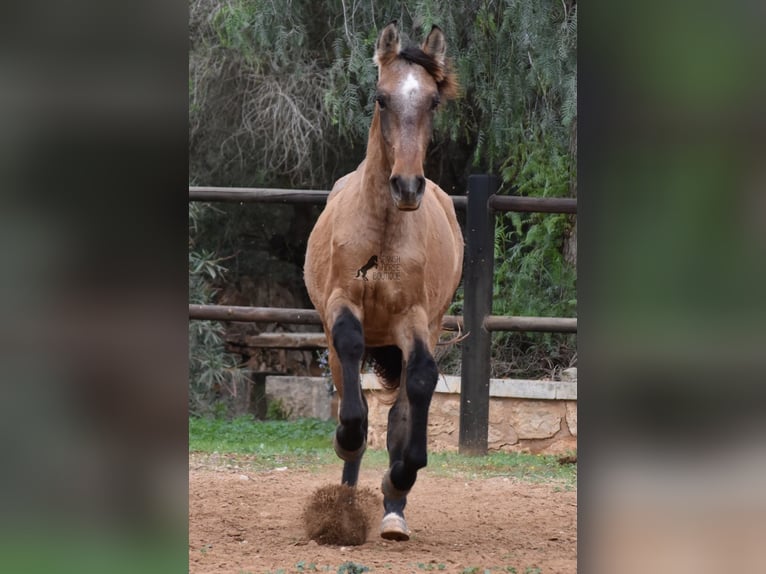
[[387, 364]]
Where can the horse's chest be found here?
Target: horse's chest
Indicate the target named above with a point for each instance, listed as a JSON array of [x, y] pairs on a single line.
[[383, 302], [393, 287]]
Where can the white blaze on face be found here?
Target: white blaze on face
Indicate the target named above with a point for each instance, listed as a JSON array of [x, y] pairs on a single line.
[[409, 88]]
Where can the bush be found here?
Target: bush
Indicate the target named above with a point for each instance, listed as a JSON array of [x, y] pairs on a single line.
[[214, 375]]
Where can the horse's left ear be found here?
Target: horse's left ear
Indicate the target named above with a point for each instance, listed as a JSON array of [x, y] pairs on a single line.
[[435, 45], [388, 45]]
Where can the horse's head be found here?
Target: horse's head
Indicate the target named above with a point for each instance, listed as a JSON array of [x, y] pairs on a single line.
[[411, 84]]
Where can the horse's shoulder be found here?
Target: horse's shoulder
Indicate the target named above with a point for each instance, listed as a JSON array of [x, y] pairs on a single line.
[[343, 182], [441, 196], [339, 185]]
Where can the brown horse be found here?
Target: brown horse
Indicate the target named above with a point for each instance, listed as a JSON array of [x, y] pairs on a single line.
[[388, 210]]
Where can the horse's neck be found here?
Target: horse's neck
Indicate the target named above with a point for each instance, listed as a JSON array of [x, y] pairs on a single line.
[[376, 172], [373, 207]]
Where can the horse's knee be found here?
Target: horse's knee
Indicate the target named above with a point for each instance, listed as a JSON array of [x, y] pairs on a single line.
[[347, 337], [422, 375]]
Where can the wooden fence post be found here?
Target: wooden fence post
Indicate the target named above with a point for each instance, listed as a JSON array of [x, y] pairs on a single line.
[[477, 288]]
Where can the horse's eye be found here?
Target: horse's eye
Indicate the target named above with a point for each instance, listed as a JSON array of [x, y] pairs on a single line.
[[381, 101], [435, 102]]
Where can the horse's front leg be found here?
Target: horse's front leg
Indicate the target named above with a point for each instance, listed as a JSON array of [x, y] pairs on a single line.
[[407, 437], [346, 350]]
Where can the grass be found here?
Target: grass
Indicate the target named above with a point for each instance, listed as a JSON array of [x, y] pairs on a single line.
[[245, 435], [263, 445]]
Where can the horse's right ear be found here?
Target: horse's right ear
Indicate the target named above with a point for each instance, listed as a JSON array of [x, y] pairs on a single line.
[[387, 46]]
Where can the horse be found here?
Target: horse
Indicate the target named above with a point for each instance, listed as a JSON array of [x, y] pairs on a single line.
[[386, 207]]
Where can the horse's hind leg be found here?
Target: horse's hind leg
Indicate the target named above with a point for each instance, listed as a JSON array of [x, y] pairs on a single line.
[[346, 352], [407, 439]]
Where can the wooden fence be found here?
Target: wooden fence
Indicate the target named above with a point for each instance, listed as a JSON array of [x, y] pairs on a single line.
[[480, 204]]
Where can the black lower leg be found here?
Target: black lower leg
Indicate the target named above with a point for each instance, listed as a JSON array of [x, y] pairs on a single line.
[[422, 376], [398, 429], [351, 433], [353, 462], [350, 474]]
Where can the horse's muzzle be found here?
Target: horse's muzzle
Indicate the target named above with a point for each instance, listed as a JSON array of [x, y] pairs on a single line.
[[407, 191]]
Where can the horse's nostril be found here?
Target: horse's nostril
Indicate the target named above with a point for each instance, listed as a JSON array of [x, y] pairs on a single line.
[[396, 183], [407, 190], [421, 184]]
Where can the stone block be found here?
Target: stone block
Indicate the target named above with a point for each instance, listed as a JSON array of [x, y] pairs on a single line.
[[301, 397], [569, 374], [571, 417], [535, 419]]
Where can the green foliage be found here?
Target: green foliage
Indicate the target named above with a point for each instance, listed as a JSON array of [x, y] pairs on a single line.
[[277, 411], [310, 65], [431, 566], [518, 67], [212, 372], [352, 568], [532, 276]]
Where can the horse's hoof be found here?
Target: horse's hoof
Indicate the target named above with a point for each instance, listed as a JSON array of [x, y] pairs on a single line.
[[394, 527]]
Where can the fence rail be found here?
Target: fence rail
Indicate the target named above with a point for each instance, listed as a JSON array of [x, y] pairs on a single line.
[[318, 340], [319, 197], [480, 204], [311, 317]]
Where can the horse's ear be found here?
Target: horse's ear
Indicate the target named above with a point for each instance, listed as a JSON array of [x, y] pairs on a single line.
[[387, 46], [435, 45]]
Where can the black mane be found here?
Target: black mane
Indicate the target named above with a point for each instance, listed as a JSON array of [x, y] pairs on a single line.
[[445, 80], [417, 56]]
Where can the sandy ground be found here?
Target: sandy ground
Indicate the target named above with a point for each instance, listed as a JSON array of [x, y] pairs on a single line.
[[243, 521]]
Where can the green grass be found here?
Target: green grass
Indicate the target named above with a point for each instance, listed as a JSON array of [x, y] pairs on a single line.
[[527, 467], [308, 443], [262, 445], [245, 435]]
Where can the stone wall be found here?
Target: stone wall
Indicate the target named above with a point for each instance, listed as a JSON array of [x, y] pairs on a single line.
[[530, 423], [526, 416], [301, 397]]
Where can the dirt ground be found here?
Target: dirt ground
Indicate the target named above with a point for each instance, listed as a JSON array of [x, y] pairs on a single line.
[[244, 521]]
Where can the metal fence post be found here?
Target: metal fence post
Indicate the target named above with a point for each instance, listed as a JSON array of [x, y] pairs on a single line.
[[477, 288]]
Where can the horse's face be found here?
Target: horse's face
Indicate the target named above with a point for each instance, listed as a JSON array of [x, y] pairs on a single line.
[[407, 96], [406, 99]]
